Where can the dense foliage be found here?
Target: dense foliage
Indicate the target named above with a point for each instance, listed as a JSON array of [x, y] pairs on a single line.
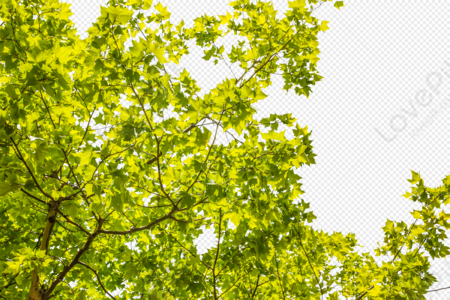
[[72, 199]]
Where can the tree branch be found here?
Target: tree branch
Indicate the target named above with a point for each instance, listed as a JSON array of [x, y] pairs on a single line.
[[278, 276], [217, 255], [73, 223], [265, 62], [206, 265], [309, 261], [98, 278], [75, 260], [34, 197], [256, 286], [87, 127], [48, 111], [207, 156], [438, 289], [233, 284], [134, 229], [20, 156]]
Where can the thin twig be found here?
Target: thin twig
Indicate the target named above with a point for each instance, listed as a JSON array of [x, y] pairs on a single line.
[[98, 278], [20, 156]]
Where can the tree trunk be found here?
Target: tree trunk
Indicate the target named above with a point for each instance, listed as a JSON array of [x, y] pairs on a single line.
[[35, 292]]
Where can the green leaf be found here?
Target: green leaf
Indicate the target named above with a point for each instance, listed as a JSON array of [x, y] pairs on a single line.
[[40, 152], [137, 48], [96, 207], [85, 157], [272, 135], [116, 202], [158, 52], [81, 295], [415, 177], [209, 53], [6, 188], [324, 26], [389, 227], [162, 10], [203, 137], [234, 217], [339, 4], [187, 200], [71, 209], [297, 3]]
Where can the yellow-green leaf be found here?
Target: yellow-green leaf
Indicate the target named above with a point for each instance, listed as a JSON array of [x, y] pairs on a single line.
[[5, 188], [324, 26], [158, 52], [415, 177], [274, 135]]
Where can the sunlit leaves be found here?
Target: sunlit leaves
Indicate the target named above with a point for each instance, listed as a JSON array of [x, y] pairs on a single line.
[[120, 14], [415, 177], [273, 135], [324, 25], [138, 185], [162, 10]]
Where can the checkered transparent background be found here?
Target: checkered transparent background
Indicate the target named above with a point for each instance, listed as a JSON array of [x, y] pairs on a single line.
[[376, 58]]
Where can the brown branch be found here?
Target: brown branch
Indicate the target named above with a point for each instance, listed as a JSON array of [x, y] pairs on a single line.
[[438, 289], [265, 63], [278, 276], [184, 221], [233, 284], [10, 283], [239, 251], [45, 104], [207, 156], [206, 265], [34, 292], [193, 125], [159, 206], [155, 158], [217, 255], [34, 197], [78, 183], [256, 286], [158, 154], [108, 156], [87, 127], [75, 260], [98, 278], [136, 229], [129, 219], [20, 156], [198, 203], [406, 235], [221, 57], [254, 63], [60, 224], [73, 223], [309, 261]]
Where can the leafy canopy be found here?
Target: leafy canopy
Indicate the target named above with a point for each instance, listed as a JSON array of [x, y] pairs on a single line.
[[86, 213]]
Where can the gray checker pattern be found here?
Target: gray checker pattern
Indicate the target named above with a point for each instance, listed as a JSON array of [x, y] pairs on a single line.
[[381, 110]]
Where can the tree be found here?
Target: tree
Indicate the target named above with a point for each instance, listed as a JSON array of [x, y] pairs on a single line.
[[72, 198]]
